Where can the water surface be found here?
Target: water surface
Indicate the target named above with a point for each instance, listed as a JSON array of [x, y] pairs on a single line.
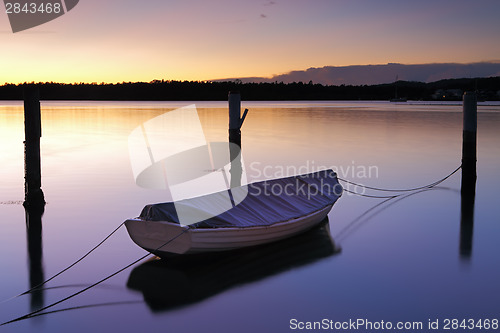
[[398, 261]]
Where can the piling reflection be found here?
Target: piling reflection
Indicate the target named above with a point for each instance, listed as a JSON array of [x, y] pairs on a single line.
[[35, 253], [236, 170], [185, 280], [468, 195]]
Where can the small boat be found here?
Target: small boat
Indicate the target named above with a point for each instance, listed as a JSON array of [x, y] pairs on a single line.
[[264, 212], [397, 99]]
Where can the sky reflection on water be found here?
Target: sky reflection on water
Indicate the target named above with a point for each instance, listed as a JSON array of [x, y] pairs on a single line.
[[400, 261]]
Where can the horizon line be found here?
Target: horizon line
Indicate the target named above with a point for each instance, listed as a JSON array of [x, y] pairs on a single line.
[[230, 79]]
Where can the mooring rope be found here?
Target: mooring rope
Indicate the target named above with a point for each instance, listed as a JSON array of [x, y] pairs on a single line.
[[384, 205], [37, 312], [65, 269], [80, 307], [373, 196], [341, 179], [31, 314], [431, 185]]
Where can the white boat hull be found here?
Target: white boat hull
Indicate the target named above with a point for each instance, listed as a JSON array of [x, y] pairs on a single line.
[[159, 237]]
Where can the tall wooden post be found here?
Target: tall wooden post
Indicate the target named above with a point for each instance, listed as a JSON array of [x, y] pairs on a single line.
[[32, 134], [236, 171], [469, 154], [34, 202], [469, 174], [234, 100]]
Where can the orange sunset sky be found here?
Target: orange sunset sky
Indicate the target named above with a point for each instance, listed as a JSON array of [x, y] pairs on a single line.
[[142, 40]]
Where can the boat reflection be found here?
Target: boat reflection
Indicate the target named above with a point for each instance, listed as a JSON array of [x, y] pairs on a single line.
[[184, 280]]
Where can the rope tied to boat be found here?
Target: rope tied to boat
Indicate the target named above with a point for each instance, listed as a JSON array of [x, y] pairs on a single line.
[[428, 186], [40, 311]]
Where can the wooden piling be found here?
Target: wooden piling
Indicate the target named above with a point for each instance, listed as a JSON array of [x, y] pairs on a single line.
[[469, 141], [234, 100], [469, 174], [32, 134]]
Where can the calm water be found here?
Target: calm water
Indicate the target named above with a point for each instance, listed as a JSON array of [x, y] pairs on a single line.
[[398, 261]]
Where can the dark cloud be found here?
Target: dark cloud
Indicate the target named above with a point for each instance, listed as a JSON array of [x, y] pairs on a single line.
[[376, 74]]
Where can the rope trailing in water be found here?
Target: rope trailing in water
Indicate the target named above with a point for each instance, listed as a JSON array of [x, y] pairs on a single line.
[[31, 314], [431, 185], [37, 287], [39, 311], [372, 196], [382, 205]]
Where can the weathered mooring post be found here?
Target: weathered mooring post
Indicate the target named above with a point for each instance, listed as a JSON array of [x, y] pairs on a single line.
[[33, 195], [234, 101], [469, 175], [469, 154], [235, 122], [34, 202]]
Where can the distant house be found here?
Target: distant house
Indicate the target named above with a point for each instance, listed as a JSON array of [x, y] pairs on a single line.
[[447, 94]]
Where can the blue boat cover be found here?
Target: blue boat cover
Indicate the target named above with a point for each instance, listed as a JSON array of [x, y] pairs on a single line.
[[262, 203]]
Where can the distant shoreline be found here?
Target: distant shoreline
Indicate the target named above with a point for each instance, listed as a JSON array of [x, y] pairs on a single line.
[[488, 89]]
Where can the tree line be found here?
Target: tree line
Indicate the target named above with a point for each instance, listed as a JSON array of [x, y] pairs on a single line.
[[163, 90]]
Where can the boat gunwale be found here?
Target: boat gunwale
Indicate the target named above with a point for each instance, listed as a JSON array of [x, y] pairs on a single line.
[[234, 228]]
